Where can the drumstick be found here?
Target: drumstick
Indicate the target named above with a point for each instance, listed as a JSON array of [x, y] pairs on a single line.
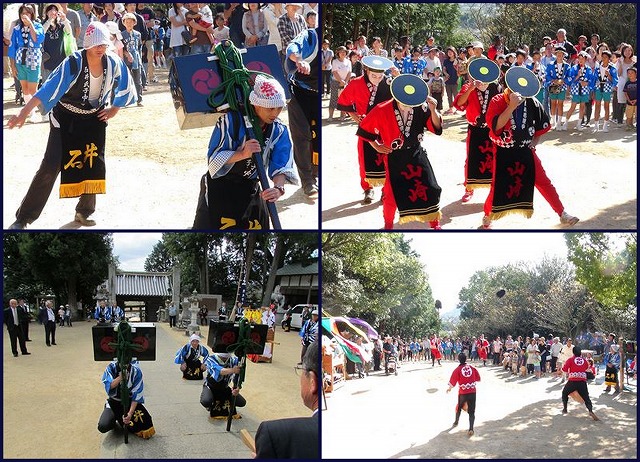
[[248, 440]]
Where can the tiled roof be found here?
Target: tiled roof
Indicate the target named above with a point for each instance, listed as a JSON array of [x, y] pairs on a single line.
[[297, 269], [142, 284]]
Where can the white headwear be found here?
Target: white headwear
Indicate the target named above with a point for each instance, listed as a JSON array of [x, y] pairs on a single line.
[[113, 29], [97, 34], [194, 337], [267, 92]]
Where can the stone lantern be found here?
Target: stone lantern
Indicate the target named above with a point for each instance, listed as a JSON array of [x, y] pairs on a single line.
[[193, 328]]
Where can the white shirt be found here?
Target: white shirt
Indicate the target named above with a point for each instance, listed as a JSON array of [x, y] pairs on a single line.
[[50, 315], [15, 315], [176, 36], [432, 64], [343, 68]]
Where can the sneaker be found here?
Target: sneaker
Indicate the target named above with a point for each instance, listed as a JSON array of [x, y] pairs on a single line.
[[605, 127], [486, 222], [84, 221], [154, 80], [579, 126], [18, 225], [596, 127], [567, 219], [368, 196], [564, 126], [564, 411], [311, 190], [468, 194]]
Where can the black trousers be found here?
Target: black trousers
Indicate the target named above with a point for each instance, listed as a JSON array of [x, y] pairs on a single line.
[[470, 399], [43, 181], [25, 330], [16, 335], [554, 363], [50, 332], [301, 136], [583, 391], [172, 321]]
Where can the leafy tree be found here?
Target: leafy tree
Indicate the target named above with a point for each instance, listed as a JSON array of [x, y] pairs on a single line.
[[71, 265], [212, 263], [614, 22], [160, 259], [390, 21], [606, 264], [377, 277], [543, 298]]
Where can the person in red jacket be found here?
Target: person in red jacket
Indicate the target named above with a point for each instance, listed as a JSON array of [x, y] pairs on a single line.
[[466, 376], [358, 98], [474, 98], [576, 368]]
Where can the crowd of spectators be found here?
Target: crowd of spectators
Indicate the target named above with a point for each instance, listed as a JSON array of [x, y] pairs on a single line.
[[610, 78], [175, 29]]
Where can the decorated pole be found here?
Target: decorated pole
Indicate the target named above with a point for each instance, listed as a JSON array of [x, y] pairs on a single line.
[[235, 89], [124, 352], [240, 350]]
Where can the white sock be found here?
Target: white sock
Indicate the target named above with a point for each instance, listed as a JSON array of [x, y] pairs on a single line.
[[28, 98]]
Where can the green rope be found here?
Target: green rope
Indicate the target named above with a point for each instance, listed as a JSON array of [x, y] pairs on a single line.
[[243, 346], [124, 352], [236, 85]]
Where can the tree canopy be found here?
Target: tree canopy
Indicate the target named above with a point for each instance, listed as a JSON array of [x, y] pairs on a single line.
[[377, 277], [593, 290], [457, 24], [212, 263], [67, 265]]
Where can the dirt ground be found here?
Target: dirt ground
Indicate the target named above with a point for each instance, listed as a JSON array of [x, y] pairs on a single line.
[[53, 398], [153, 170], [409, 416], [595, 175]]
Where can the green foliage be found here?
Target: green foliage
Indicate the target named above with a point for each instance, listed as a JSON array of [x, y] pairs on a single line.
[[606, 264], [71, 265], [390, 21], [458, 24], [543, 298], [594, 290], [211, 263], [527, 23], [376, 276]]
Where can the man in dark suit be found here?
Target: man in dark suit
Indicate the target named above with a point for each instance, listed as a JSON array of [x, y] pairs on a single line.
[[13, 316], [296, 438], [48, 318], [26, 320]]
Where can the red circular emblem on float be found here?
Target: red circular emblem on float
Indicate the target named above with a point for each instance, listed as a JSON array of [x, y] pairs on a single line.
[[142, 341], [258, 66], [204, 81], [104, 344], [228, 337]]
